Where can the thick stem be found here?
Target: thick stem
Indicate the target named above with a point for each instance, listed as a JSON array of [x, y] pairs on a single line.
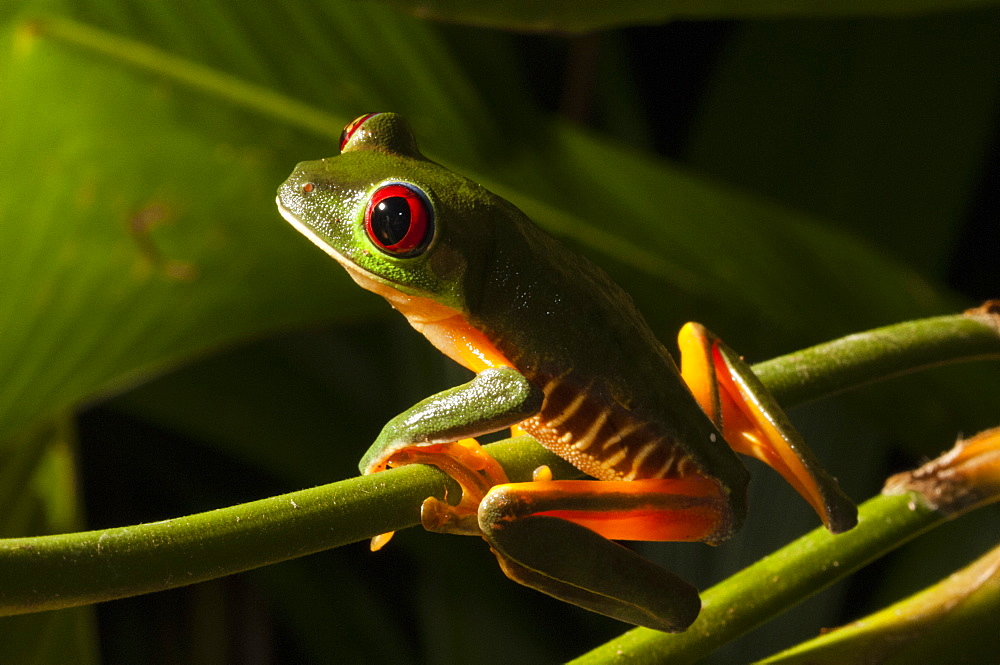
[[883, 353], [50, 572], [964, 478], [775, 583]]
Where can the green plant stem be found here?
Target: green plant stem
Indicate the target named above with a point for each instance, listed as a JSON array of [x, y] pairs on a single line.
[[50, 572], [775, 583], [958, 481], [921, 629], [882, 353], [65, 570]]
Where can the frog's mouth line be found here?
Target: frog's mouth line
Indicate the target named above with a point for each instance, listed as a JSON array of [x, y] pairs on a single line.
[[366, 279], [316, 240], [419, 310]]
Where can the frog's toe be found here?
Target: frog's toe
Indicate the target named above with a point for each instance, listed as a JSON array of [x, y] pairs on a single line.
[[440, 517]]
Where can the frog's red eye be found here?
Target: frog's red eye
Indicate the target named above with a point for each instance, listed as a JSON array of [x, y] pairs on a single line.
[[308, 187], [399, 220], [354, 125]]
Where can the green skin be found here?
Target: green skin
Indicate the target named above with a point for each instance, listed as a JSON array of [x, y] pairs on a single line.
[[524, 291]]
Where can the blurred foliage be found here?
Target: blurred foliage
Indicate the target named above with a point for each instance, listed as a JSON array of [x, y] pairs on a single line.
[[786, 181]]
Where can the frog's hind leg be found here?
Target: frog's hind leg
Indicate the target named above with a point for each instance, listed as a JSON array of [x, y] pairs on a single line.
[[753, 423], [553, 536], [580, 567]]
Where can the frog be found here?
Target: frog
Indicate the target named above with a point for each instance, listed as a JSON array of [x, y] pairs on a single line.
[[560, 353]]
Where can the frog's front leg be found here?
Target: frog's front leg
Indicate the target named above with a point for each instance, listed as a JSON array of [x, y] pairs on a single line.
[[438, 431], [555, 536], [754, 424]]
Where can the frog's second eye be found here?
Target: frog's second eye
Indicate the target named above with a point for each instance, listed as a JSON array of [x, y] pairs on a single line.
[[399, 220], [354, 125]]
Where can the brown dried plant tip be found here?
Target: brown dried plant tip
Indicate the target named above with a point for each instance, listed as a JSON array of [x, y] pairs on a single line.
[[965, 477], [988, 312]]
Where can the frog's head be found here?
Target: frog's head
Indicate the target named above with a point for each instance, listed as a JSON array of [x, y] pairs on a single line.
[[390, 216]]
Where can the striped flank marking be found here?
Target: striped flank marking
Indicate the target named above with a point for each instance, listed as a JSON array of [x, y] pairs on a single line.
[[602, 439]]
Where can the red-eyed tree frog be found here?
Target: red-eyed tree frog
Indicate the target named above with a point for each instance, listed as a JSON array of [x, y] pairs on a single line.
[[561, 353]]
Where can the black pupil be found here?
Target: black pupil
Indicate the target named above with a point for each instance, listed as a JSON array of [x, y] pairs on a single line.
[[391, 220]]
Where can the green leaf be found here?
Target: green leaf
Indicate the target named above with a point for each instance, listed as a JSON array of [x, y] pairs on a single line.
[[885, 138], [136, 256], [125, 231]]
